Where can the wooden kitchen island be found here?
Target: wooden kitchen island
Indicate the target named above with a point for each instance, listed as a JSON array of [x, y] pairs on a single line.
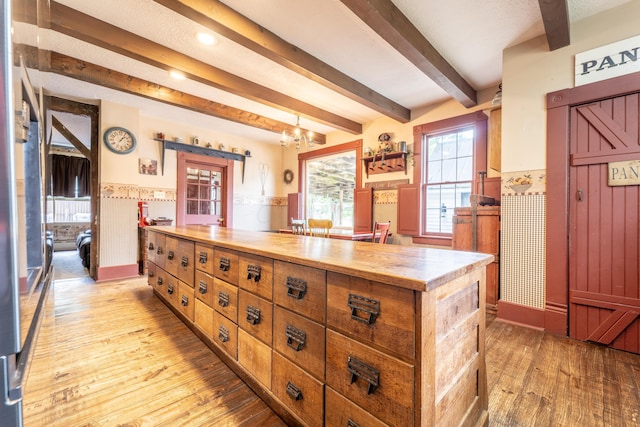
[[333, 332]]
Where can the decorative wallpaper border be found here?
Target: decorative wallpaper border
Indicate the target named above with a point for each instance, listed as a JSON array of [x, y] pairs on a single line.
[[253, 200], [385, 197], [524, 182], [131, 191]]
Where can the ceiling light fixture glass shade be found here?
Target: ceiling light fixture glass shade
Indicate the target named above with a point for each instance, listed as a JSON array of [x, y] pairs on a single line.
[[297, 137]]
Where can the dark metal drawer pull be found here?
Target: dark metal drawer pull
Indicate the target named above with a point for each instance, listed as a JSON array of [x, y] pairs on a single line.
[[151, 273], [370, 307], [352, 423], [202, 287], [185, 300], [223, 334], [170, 289], [253, 272], [185, 261], [160, 281], [170, 255], [360, 369], [253, 315], [293, 391], [150, 246], [159, 251], [223, 299], [225, 264], [296, 338], [296, 288], [203, 258]]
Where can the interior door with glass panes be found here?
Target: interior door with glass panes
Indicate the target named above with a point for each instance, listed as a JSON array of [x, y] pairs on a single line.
[[205, 196]]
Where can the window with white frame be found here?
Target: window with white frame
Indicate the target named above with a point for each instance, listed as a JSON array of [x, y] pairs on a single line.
[[449, 176]]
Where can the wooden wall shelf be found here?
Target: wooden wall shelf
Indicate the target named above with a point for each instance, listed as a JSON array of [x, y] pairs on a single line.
[[386, 162], [204, 151]]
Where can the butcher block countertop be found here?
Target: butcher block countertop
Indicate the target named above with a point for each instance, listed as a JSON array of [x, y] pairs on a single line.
[[411, 267]]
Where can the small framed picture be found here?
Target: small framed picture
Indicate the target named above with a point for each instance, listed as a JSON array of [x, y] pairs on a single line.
[[148, 167]]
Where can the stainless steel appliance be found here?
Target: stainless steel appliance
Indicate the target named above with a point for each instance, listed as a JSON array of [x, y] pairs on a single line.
[[24, 277]]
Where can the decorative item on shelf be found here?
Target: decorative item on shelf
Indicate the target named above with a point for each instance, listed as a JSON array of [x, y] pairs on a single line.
[[160, 135], [221, 147], [208, 145], [368, 151], [287, 176], [235, 150], [247, 153], [297, 137], [178, 140], [497, 98], [195, 140]]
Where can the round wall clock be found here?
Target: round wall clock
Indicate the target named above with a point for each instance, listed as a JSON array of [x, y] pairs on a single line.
[[119, 140]]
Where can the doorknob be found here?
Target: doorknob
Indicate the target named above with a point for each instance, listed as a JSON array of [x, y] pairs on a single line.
[[579, 195]]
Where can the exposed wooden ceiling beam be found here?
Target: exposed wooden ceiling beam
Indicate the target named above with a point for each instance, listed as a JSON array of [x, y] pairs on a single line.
[[95, 74], [84, 27], [555, 15], [388, 21], [227, 22], [57, 124]]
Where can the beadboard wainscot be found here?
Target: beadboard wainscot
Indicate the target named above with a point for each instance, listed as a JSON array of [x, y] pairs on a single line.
[[333, 332]]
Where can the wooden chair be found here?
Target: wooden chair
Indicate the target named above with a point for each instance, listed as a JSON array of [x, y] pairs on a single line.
[[298, 226], [381, 229], [319, 227]]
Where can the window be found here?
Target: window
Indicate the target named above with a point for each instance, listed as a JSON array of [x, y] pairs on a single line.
[[330, 176], [448, 156], [449, 167], [62, 209]]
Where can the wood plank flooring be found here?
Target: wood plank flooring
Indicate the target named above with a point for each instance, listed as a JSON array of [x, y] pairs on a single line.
[[113, 354]]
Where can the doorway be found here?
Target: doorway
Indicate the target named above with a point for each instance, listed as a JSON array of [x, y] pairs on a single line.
[[596, 124], [204, 190], [72, 195]]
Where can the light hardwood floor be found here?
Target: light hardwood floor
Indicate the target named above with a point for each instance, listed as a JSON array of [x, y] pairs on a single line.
[[113, 354]]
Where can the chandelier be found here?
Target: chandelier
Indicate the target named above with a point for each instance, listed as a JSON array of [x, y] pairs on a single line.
[[297, 137]]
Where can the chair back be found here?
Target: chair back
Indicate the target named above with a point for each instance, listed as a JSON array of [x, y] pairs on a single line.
[[381, 231], [319, 227], [298, 226]]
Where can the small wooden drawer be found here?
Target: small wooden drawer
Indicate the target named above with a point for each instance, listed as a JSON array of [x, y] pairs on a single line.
[[225, 334], [299, 391], [171, 289], [152, 245], [204, 288], [159, 281], [186, 300], [204, 258], [255, 315], [151, 274], [301, 289], [172, 255], [256, 275], [186, 261], [255, 357], [341, 412], [225, 265], [156, 248], [301, 340], [372, 312], [225, 299], [203, 317], [379, 383]]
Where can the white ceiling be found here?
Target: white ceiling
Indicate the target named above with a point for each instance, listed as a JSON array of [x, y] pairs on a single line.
[[469, 34]]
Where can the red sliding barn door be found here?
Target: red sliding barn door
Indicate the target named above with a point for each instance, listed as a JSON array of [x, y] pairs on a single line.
[[604, 225]]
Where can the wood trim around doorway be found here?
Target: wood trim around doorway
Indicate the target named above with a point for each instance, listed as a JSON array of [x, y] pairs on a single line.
[[559, 103]]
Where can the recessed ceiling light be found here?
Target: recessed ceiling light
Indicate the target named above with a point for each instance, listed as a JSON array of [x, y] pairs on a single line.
[[207, 39], [177, 75]]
